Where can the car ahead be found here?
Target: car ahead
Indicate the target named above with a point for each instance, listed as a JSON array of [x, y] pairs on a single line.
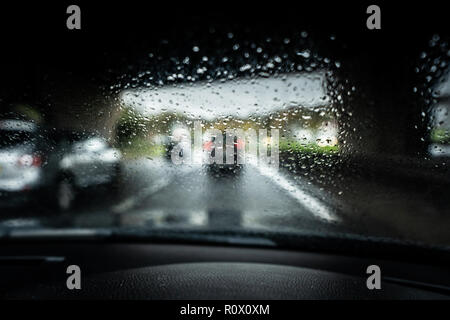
[[177, 144], [50, 167], [230, 166]]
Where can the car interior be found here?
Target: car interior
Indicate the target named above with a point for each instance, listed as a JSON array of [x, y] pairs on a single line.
[[249, 152]]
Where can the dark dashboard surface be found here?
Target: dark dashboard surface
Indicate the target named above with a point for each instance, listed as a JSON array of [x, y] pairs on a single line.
[[174, 271]]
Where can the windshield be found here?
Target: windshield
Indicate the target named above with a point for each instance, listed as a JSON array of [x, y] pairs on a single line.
[[12, 138], [218, 126]]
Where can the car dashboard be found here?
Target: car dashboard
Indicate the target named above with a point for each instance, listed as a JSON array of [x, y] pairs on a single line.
[[168, 271]]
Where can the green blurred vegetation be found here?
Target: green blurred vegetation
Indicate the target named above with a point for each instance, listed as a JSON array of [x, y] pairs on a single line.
[[292, 146], [29, 112], [141, 147], [136, 132], [133, 136], [440, 135], [22, 111], [130, 125]]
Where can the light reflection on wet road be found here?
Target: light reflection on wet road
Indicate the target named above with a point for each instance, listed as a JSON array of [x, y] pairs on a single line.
[[155, 193], [254, 197]]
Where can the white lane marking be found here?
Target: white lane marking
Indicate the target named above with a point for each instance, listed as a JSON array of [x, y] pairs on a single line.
[[168, 176], [315, 206], [131, 202]]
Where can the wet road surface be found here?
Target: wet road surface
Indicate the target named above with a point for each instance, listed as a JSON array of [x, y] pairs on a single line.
[[156, 193]]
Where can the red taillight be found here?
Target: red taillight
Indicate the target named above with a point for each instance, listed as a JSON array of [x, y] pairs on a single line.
[[239, 144], [28, 160], [37, 161], [208, 146]]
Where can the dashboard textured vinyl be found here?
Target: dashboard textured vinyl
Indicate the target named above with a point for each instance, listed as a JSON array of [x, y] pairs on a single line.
[[158, 271]]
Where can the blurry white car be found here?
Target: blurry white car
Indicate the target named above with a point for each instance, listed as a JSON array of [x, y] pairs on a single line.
[[52, 166], [20, 161]]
